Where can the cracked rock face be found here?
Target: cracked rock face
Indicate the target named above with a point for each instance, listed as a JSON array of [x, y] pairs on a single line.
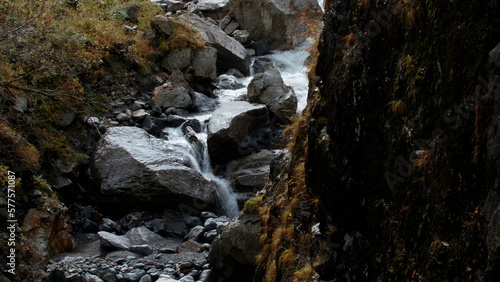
[[230, 53]]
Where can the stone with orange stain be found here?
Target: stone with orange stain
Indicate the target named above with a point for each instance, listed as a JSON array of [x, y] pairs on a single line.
[[48, 230]]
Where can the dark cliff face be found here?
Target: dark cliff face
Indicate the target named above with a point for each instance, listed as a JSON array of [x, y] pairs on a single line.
[[402, 139]]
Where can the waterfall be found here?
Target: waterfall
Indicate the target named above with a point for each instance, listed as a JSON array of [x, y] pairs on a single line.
[[227, 202], [195, 145]]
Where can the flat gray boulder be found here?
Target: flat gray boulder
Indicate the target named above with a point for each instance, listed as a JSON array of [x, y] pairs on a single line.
[[177, 59], [230, 53], [137, 240], [133, 166], [216, 9], [235, 129], [142, 235], [110, 240]]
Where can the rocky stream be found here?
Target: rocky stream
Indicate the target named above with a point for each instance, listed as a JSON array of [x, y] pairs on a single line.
[[209, 140], [175, 166]]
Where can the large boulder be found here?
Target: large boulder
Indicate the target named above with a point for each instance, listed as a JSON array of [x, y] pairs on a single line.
[[234, 250], [230, 53], [235, 129], [132, 166], [177, 59], [268, 88], [205, 64], [276, 20], [137, 240], [142, 235], [250, 173], [113, 241], [165, 96], [173, 93], [154, 125], [202, 103], [225, 81]]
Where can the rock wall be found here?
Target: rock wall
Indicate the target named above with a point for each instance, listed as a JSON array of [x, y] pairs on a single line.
[[400, 139]]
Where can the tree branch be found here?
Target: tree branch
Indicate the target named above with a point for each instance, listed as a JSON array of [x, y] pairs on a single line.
[[31, 20], [45, 93]]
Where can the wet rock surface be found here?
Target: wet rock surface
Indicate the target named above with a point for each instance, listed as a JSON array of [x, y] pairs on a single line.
[[277, 18], [234, 251], [234, 127], [152, 156], [249, 174], [135, 167]]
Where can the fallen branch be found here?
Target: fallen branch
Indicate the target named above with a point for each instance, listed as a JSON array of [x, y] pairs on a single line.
[[46, 93], [31, 20]]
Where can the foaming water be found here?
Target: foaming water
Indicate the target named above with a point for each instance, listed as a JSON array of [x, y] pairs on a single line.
[[228, 95], [200, 161], [291, 65], [294, 72], [322, 5]]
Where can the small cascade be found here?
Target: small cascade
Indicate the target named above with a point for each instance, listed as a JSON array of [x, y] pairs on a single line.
[[291, 65], [195, 144], [252, 70]]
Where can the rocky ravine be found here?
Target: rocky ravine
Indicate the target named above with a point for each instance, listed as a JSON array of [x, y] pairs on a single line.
[[149, 179], [399, 150]]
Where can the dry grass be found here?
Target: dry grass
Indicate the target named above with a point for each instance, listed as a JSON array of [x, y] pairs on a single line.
[[287, 257], [397, 106], [46, 48], [409, 10], [183, 36], [304, 274], [350, 39], [61, 40], [285, 238], [26, 152]]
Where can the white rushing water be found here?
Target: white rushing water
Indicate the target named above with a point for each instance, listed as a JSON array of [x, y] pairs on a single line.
[[200, 161], [293, 71], [322, 5]]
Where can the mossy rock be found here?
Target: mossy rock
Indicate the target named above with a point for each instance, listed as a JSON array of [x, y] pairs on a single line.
[[252, 205]]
